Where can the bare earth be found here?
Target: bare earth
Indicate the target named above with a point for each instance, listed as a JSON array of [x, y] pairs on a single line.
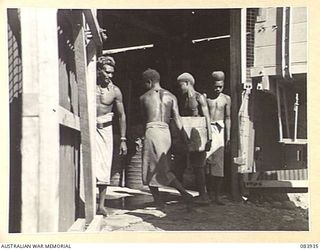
[[133, 210]]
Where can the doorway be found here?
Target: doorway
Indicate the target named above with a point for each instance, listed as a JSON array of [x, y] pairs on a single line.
[[172, 41]]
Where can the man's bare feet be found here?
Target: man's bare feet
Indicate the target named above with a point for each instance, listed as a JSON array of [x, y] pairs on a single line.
[[102, 211], [202, 200], [188, 198]]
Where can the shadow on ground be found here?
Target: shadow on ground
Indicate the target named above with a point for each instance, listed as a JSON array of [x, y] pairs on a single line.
[[177, 216]]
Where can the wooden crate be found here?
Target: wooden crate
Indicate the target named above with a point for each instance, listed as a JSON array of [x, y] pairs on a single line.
[[197, 132]]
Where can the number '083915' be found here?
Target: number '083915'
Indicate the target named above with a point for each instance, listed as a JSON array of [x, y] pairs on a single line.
[[309, 246]]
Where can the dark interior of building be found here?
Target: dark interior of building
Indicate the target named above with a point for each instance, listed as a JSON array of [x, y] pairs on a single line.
[[174, 35], [184, 40]]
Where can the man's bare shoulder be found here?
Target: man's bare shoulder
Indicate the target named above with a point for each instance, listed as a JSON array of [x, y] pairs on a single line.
[[116, 88], [165, 93], [117, 92], [168, 94], [145, 95], [226, 97], [200, 97]]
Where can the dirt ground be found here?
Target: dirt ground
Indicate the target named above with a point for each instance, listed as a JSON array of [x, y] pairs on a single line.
[[133, 210]]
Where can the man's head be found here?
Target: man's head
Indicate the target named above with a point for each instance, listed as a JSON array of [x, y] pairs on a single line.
[[184, 81], [105, 67], [218, 81], [150, 77]]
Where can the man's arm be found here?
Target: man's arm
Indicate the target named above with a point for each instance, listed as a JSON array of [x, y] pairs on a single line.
[[177, 119], [204, 108], [122, 121], [227, 118], [142, 118], [175, 113]]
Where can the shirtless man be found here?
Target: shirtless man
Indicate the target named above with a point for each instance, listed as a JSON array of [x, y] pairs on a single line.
[[158, 107], [107, 96], [194, 104], [219, 110]]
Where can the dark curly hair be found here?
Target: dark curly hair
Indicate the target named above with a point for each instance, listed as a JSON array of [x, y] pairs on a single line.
[[103, 60], [151, 74]]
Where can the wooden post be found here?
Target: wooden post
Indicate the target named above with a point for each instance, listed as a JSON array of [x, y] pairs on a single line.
[[40, 121], [30, 126], [279, 110], [296, 110], [286, 112], [235, 84], [86, 123]]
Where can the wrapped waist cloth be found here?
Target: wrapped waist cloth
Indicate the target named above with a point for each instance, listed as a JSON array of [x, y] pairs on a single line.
[[155, 157], [104, 120], [104, 149], [215, 157], [157, 125]]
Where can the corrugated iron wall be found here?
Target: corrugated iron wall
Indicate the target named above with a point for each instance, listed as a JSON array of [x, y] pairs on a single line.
[[284, 175]]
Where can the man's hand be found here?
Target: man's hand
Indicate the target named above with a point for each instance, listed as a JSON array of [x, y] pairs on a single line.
[[208, 145], [138, 143], [123, 148]]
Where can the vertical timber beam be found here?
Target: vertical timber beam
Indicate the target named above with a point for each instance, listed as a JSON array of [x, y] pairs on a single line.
[[86, 129], [243, 46], [91, 97], [30, 127], [40, 121], [235, 86]]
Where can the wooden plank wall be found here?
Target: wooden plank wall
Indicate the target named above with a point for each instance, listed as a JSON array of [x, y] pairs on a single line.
[[268, 38], [299, 45], [77, 56], [53, 69], [40, 122], [266, 54], [68, 88], [71, 206]]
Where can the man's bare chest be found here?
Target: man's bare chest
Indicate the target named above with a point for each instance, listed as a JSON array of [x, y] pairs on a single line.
[[105, 96], [190, 106], [217, 104]]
